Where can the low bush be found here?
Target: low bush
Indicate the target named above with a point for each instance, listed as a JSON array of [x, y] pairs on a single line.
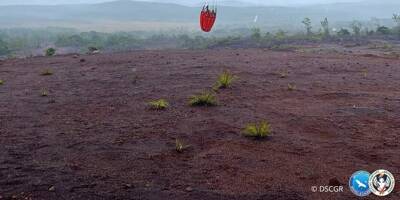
[[258, 130], [224, 80]]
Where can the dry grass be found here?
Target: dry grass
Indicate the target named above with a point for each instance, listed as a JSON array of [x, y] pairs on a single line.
[[225, 80], [291, 87], [203, 99], [283, 74], [258, 130], [44, 93], [47, 72], [180, 147], [159, 104]]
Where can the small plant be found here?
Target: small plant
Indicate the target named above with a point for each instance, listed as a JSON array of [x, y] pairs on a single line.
[[364, 73], [93, 50], [179, 146], [47, 72], [44, 93], [160, 104], [1, 82], [260, 130], [50, 52], [283, 74], [224, 80], [204, 99], [291, 87]]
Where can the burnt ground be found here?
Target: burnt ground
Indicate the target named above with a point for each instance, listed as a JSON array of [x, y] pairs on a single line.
[[94, 137]]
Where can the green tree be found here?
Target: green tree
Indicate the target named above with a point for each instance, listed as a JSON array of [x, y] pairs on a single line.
[[376, 22], [307, 24], [325, 26], [121, 41], [280, 35], [50, 52], [343, 32], [69, 41], [383, 30], [3, 48], [356, 26], [256, 34], [396, 19]]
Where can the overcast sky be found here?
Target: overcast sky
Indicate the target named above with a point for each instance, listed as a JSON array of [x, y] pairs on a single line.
[[265, 2]]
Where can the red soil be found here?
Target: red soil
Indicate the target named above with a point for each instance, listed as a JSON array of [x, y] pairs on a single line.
[[94, 137]]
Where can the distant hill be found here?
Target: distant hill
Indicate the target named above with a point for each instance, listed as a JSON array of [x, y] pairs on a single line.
[[146, 12]]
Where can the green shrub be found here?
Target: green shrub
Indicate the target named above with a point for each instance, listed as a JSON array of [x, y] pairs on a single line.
[[50, 52], [343, 32], [364, 72], [383, 30], [260, 130], [160, 104], [225, 80], [204, 99]]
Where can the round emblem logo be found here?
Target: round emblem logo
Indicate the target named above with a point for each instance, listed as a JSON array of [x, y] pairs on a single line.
[[381, 182], [359, 183]]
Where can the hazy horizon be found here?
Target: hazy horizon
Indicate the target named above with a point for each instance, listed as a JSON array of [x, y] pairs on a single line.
[[183, 2], [235, 14]]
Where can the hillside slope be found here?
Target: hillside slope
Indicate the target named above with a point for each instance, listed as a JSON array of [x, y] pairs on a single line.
[[129, 11]]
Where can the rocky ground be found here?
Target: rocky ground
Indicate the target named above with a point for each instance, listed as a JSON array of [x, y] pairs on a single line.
[[84, 131]]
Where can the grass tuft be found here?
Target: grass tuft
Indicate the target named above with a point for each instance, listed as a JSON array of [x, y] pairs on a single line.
[[180, 146], [283, 74], [47, 72], [291, 87], [204, 99], [160, 104], [44, 93], [260, 130], [225, 80], [364, 72]]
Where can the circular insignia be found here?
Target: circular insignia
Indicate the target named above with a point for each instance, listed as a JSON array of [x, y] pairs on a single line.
[[359, 183], [381, 182]]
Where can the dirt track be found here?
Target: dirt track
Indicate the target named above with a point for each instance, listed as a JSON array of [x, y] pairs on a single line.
[[93, 137]]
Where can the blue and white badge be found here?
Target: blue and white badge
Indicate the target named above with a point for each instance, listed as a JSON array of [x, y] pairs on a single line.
[[359, 183]]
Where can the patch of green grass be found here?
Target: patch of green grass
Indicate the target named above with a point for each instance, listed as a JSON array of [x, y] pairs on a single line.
[[1, 82], [225, 80], [47, 72], [159, 104], [180, 146], [203, 99], [291, 87], [258, 130]]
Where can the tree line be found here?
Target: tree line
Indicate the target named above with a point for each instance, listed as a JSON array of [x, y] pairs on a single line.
[[13, 41]]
